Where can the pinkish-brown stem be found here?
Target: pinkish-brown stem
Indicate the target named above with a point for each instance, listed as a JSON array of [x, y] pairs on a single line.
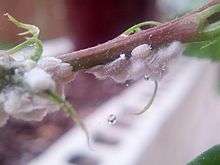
[[184, 29]]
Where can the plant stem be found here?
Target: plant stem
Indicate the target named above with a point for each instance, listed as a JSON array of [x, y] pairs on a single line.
[[31, 41], [68, 109], [185, 29], [136, 28]]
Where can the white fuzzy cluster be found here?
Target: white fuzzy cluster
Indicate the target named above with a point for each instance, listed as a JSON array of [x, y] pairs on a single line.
[[38, 80], [59, 70], [24, 105], [23, 97], [144, 61]]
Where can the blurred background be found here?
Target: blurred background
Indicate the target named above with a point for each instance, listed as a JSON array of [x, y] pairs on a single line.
[[182, 123]]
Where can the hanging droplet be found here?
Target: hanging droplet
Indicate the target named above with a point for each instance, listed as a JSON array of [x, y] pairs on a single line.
[[127, 83], [112, 119], [164, 67], [146, 77]]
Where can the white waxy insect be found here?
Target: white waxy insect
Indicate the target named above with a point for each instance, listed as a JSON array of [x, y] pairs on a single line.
[[28, 101], [157, 65], [123, 69], [56, 68], [116, 70], [38, 80], [141, 51], [20, 104], [144, 61]]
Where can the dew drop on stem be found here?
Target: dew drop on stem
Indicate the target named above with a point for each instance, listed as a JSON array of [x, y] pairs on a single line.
[[112, 119], [127, 83], [146, 77]]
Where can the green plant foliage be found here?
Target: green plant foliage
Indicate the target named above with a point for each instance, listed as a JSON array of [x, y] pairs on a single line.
[[209, 157], [30, 29], [205, 49], [6, 46], [208, 45]]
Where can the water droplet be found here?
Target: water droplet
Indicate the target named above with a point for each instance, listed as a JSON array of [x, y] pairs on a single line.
[[112, 119], [146, 77], [127, 83], [122, 56]]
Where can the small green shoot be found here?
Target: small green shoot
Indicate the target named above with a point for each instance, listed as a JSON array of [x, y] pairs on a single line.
[[136, 28], [33, 40], [68, 108]]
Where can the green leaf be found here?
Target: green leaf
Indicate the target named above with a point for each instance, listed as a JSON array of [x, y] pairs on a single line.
[[209, 157], [5, 46], [205, 49]]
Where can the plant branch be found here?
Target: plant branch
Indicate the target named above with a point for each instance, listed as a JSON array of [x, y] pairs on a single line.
[[188, 28]]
